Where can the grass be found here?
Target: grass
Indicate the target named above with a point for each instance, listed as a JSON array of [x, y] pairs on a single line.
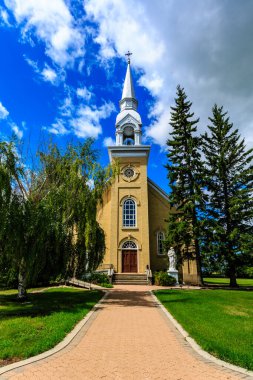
[[37, 325], [220, 321], [225, 281]]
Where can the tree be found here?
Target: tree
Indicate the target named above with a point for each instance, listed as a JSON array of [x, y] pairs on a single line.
[[49, 214], [229, 185], [184, 174]]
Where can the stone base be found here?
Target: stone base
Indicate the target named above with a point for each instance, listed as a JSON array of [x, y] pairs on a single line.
[[173, 273]]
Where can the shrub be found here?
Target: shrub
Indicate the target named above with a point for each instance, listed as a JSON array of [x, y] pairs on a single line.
[[99, 278], [106, 285], [164, 279], [245, 272]]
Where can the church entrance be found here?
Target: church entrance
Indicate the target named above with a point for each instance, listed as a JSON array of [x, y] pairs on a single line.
[[129, 257]]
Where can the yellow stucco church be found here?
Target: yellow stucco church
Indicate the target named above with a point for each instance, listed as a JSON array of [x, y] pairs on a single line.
[[134, 208]]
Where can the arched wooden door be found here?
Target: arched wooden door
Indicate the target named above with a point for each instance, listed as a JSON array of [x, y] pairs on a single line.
[[129, 257]]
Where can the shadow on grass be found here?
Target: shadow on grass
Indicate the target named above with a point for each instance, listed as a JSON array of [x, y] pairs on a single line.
[[46, 303], [240, 288]]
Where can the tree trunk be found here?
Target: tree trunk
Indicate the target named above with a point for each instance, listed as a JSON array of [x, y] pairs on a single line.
[[22, 295], [232, 276], [198, 262]]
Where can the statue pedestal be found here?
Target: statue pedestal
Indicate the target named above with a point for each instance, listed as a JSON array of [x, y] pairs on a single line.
[[173, 273]]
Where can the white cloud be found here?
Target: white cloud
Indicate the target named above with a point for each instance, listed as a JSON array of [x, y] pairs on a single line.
[[154, 83], [3, 112], [32, 63], [4, 17], [120, 31], [83, 120], [204, 46], [16, 130], [67, 108], [53, 24], [87, 122], [84, 93], [58, 128], [159, 129], [108, 141], [48, 74]]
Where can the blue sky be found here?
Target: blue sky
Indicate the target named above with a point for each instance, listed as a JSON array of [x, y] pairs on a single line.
[[62, 67]]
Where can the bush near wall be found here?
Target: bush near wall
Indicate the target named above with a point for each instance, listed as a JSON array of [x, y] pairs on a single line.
[[99, 278], [164, 279]]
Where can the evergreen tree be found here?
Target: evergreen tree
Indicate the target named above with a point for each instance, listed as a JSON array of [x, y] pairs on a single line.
[[229, 183], [184, 174]]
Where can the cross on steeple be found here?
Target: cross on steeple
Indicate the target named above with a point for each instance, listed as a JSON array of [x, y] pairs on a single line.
[[128, 54]]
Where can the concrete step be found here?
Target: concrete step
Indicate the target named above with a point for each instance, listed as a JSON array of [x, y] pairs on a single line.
[[130, 279], [130, 283]]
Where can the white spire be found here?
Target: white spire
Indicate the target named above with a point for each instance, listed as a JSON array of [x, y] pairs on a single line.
[[128, 121], [128, 100], [128, 89]]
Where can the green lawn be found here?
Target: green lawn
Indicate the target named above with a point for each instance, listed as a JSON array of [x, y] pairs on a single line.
[[41, 322], [225, 281], [221, 321]]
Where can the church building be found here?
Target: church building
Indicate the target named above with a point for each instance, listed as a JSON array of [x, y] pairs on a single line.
[[134, 208]]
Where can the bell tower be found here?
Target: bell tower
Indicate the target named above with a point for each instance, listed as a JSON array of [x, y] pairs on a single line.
[[129, 221], [128, 122]]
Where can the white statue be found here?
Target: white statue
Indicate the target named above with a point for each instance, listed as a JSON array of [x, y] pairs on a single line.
[[172, 259]]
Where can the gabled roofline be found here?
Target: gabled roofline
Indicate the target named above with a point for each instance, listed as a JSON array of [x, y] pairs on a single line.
[[158, 189]]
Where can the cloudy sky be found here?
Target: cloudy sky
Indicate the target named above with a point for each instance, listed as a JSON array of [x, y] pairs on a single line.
[[62, 67]]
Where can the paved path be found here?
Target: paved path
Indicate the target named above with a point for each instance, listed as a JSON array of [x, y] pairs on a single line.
[[129, 337]]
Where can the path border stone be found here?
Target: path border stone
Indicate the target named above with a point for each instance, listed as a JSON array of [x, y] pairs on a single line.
[[195, 345], [60, 346]]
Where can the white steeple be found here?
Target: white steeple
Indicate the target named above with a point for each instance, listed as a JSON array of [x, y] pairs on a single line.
[[128, 95], [128, 121]]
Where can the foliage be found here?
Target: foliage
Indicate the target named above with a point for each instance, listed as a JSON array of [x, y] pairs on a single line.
[[38, 325], [52, 211], [245, 272], [99, 278], [106, 285], [184, 174], [219, 320], [228, 226], [164, 279]]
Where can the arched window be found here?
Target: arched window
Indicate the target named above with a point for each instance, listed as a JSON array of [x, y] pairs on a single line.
[[129, 244], [160, 240], [128, 135], [129, 213]]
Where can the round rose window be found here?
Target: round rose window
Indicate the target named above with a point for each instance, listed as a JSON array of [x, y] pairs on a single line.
[[128, 173]]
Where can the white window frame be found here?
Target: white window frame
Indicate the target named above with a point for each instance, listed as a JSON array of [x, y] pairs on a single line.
[[124, 220]]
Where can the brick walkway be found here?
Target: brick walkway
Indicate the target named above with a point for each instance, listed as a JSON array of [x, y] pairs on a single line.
[[129, 337]]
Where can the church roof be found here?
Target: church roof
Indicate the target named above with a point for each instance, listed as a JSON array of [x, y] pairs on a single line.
[[128, 89], [158, 189]]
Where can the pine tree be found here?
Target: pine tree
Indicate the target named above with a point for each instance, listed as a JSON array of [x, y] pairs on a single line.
[[229, 183], [184, 174]]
